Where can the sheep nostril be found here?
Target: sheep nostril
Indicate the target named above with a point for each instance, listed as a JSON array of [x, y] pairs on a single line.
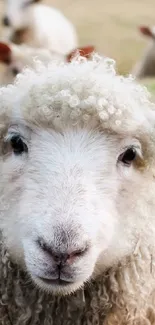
[[6, 21], [68, 257], [62, 258], [78, 253]]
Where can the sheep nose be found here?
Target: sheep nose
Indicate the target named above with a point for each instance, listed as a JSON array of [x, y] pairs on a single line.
[[63, 257], [6, 21]]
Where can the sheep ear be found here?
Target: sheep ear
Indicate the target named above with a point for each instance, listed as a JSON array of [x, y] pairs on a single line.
[[82, 51], [5, 53], [145, 30]]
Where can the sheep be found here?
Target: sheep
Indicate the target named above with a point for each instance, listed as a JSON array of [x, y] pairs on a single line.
[[146, 67], [77, 204], [14, 58], [38, 25]]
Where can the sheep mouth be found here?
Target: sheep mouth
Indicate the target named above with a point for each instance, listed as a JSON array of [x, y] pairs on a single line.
[[58, 282]]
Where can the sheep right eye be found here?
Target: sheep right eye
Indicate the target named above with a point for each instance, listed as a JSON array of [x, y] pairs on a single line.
[[15, 71], [128, 156], [18, 145]]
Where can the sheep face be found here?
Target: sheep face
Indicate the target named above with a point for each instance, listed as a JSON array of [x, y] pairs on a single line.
[[69, 195], [76, 170], [17, 14]]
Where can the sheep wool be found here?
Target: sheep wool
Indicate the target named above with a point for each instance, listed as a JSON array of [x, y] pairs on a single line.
[[60, 94], [78, 94]]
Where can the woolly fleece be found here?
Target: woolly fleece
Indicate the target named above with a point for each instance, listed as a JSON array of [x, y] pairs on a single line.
[[77, 92]]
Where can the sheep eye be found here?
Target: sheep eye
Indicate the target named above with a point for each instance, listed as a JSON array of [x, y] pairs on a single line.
[[128, 156], [15, 71], [18, 145]]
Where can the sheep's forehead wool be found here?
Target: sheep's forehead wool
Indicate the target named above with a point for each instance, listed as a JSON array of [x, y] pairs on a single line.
[[77, 93]]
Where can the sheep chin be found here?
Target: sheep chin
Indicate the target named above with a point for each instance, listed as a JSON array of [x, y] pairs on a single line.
[[58, 289]]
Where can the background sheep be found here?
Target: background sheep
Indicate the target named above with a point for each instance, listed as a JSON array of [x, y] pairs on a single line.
[[146, 67], [76, 142], [38, 25], [111, 28], [14, 58]]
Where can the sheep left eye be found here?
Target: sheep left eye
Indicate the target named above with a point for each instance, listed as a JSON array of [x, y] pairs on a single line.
[[128, 156], [18, 145]]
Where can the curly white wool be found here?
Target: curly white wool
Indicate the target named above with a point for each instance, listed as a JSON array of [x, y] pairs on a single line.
[[87, 90]]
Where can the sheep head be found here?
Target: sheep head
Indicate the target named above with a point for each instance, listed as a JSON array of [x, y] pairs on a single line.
[[16, 14], [77, 171]]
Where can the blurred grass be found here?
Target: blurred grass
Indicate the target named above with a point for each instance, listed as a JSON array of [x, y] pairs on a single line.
[[110, 25], [150, 84]]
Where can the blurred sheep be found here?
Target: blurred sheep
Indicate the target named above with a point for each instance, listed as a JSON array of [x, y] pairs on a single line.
[[38, 25], [146, 66]]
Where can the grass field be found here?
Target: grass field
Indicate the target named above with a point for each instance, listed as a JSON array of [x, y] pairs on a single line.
[[110, 25]]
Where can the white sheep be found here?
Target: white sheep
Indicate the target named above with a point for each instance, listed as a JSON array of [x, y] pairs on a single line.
[[77, 197], [146, 67], [14, 58], [38, 25]]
